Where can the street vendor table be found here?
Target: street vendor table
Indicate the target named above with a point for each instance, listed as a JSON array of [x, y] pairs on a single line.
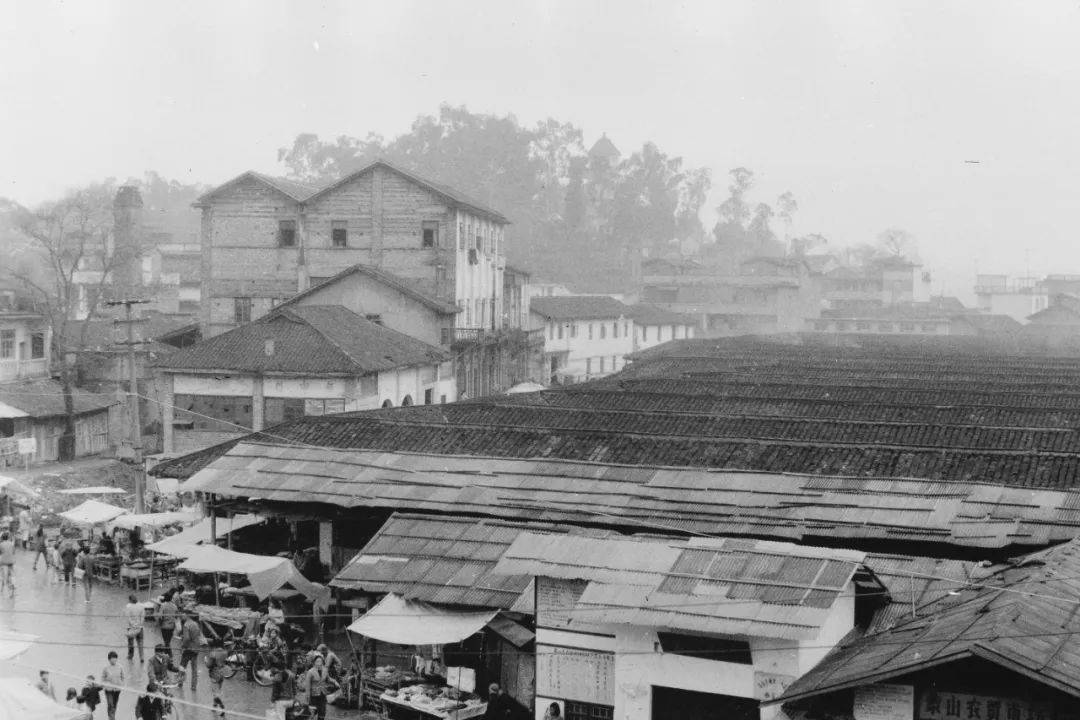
[[239, 619], [420, 707], [107, 568], [136, 575]]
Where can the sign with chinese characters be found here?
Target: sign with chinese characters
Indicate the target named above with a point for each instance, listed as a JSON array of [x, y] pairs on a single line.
[[573, 674], [884, 702], [959, 706], [769, 686]]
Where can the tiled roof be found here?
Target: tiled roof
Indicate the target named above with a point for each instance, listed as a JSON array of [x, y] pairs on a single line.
[[914, 582], [1024, 616], [400, 284], [990, 324], [311, 339], [733, 405], [45, 398], [604, 148], [644, 498], [644, 314], [294, 189], [447, 559], [452, 194], [715, 585], [578, 307], [305, 192]]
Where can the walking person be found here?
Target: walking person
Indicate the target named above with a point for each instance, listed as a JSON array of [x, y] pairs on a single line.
[[68, 553], [84, 566], [24, 529], [318, 681], [215, 665], [112, 678], [41, 548], [167, 613], [135, 615], [149, 707], [191, 640], [90, 696], [7, 564], [44, 684], [57, 565]]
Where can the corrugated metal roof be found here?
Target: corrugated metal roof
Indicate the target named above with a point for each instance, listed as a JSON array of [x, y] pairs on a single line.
[[680, 500], [727, 586], [447, 560], [1023, 613]]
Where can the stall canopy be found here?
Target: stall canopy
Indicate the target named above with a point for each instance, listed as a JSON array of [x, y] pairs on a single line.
[[153, 520], [13, 644], [412, 622], [184, 542], [96, 490], [266, 573], [92, 512], [11, 486], [20, 699]]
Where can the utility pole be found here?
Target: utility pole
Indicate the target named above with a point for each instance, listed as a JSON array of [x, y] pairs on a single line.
[[133, 397]]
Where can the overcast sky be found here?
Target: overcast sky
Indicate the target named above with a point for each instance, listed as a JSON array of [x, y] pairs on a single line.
[[866, 111]]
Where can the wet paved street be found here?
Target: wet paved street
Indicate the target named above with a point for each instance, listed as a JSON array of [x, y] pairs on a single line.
[[75, 637]]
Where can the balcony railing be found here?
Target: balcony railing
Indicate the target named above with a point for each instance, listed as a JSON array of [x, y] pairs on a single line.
[[18, 369]]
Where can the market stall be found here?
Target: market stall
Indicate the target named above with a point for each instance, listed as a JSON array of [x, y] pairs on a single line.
[[182, 544], [130, 534], [429, 689], [92, 513], [265, 574]]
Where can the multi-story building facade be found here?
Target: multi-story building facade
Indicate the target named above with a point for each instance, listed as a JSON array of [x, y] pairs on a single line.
[[25, 340], [765, 295], [1016, 297], [265, 239], [585, 336]]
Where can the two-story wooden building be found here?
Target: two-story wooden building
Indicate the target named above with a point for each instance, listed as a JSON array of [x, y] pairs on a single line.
[[265, 239]]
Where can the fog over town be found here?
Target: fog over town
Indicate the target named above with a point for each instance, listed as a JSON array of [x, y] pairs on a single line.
[[539, 360]]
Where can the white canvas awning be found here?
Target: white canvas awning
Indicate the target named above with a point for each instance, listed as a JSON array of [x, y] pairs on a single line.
[[11, 486], [412, 622], [266, 573], [153, 520], [92, 512], [13, 644], [184, 542], [20, 699]]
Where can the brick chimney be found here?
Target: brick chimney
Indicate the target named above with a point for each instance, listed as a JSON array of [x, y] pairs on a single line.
[[127, 230]]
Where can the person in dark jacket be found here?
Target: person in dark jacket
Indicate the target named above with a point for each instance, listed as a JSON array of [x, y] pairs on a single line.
[[148, 707], [90, 694], [499, 705]]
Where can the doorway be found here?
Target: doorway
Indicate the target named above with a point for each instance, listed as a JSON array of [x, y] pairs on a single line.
[[674, 704]]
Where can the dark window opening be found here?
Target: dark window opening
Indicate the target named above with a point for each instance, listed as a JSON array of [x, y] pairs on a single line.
[[387, 404], [430, 234], [286, 233], [37, 346], [242, 309], [7, 427], [339, 234], [406, 401], [708, 648], [429, 396]]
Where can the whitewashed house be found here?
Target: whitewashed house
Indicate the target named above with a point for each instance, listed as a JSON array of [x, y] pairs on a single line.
[[300, 360], [585, 336], [666, 629]]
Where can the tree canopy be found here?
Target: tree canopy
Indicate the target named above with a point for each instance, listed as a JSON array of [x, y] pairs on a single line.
[[572, 213]]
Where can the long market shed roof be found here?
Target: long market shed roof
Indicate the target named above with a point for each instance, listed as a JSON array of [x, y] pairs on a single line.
[[651, 498]]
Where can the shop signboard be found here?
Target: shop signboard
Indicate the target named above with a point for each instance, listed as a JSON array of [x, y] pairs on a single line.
[[963, 706], [882, 701]]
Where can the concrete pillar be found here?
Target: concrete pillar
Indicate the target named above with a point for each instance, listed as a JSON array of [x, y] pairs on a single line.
[[167, 441], [258, 406], [326, 542]]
